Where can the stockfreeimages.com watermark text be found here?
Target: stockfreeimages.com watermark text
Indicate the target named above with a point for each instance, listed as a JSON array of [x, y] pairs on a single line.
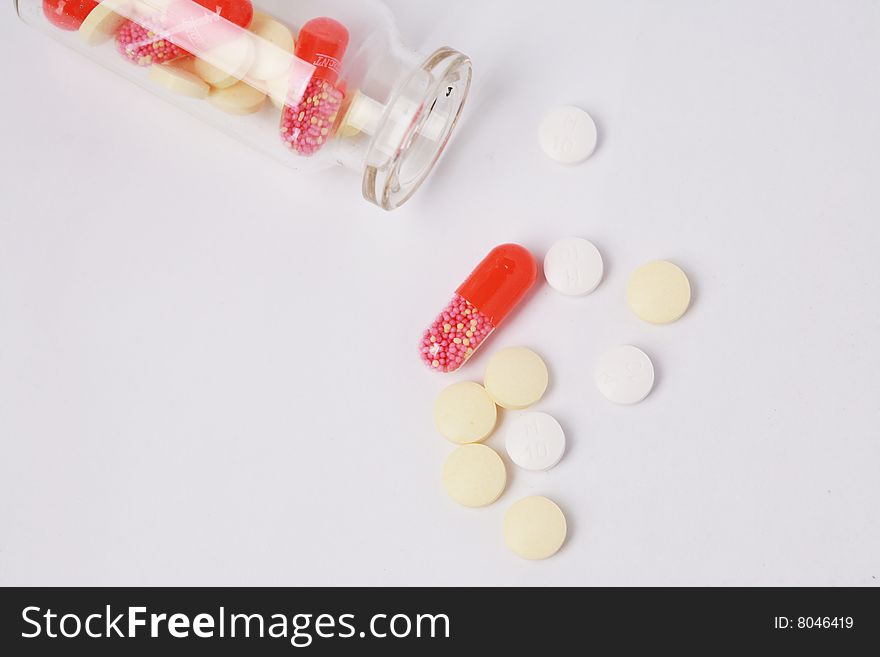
[[300, 629]]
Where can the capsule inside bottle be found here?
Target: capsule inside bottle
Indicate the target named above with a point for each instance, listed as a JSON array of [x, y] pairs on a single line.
[[306, 124], [479, 306], [314, 84]]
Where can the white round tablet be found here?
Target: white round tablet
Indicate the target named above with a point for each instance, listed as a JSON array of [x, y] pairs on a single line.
[[534, 528], [568, 135], [535, 441], [573, 267], [464, 413], [474, 475], [625, 375]]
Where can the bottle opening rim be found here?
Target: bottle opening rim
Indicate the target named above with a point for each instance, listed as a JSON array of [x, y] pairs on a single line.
[[415, 153]]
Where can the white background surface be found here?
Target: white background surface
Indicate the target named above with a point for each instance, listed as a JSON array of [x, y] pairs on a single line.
[[207, 365]]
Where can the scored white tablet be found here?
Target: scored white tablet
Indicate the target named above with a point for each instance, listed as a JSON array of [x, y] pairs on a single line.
[[535, 441], [568, 135], [573, 267], [625, 375]]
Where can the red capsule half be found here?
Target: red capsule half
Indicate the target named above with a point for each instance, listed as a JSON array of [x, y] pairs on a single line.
[[323, 42], [479, 306]]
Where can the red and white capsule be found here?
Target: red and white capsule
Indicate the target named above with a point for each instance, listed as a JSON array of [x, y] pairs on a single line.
[[479, 306], [307, 124]]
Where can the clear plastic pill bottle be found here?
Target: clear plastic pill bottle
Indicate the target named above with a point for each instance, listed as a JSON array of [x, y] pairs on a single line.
[[313, 83]]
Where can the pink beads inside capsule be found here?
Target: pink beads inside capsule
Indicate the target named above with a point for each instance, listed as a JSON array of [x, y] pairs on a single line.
[[306, 126], [145, 46], [456, 334]]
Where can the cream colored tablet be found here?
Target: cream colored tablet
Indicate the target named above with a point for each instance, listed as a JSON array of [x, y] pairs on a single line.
[[226, 64], [516, 378], [102, 22], [240, 98], [347, 128], [534, 528], [289, 87], [179, 78], [659, 292], [474, 475], [150, 7], [464, 413], [217, 78], [277, 90], [273, 47]]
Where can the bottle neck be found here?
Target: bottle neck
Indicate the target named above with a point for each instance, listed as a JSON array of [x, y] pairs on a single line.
[[410, 131]]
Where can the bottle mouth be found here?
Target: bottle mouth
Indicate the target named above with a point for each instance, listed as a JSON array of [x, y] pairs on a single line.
[[415, 128]]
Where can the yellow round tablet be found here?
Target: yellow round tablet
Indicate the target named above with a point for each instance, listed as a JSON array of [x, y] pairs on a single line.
[[103, 21], [276, 89], [345, 129], [180, 79], [534, 528], [659, 292], [474, 475], [240, 98], [225, 64], [516, 378], [217, 78], [464, 413], [274, 44]]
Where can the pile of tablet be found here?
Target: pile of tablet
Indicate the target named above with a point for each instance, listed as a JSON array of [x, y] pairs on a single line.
[[475, 475], [516, 379]]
